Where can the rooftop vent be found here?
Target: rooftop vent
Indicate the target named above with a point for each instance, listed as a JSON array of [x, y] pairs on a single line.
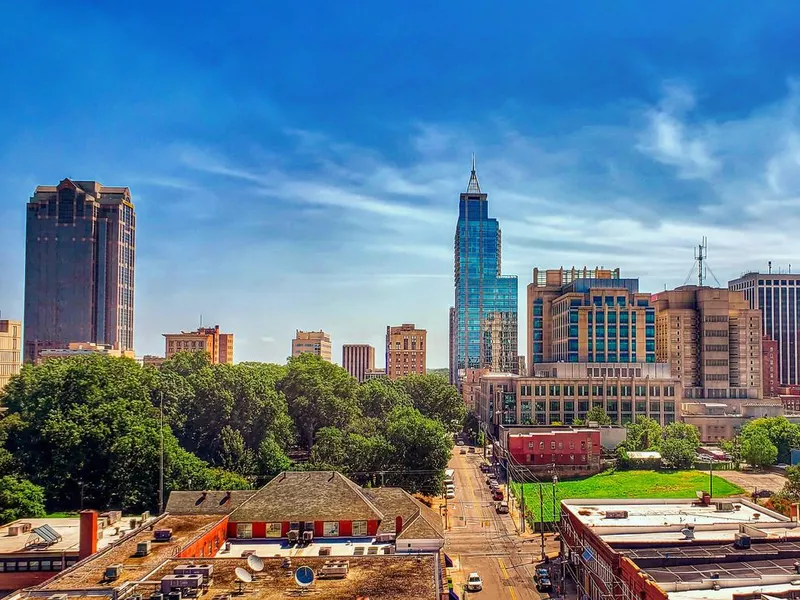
[[688, 532], [616, 514], [723, 506]]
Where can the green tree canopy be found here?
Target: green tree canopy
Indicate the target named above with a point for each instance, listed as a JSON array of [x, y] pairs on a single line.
[[319, 394], [378, 397], [643, 434], [20, 499], [599, 415], [679, 453], [435, 398], [783, 434], [757, 449]]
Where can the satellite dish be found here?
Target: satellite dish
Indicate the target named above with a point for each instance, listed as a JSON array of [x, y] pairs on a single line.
[[243, 575], [255, 562], [304, 576]]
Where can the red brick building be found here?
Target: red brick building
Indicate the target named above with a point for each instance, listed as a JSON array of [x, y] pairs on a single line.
[[769, 366], [568, 450]]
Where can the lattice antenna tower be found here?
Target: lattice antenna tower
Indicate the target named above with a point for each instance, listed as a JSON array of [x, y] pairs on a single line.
[[701, 264]]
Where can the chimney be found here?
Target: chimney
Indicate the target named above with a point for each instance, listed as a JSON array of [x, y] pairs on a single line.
[[88, 534], [398, 525]]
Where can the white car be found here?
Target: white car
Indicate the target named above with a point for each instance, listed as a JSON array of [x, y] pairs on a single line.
[[450, 494], [460, 443], [474, 583]]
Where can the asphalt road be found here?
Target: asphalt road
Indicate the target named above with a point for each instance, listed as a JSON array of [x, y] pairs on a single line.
[[478, 539]]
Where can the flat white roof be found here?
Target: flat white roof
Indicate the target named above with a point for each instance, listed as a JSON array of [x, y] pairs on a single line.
[[69, 530], [657, 516], [727, 593]]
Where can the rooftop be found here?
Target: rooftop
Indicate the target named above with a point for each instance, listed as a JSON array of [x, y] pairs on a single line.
[[394, 577], [90, 573], [68, 529]]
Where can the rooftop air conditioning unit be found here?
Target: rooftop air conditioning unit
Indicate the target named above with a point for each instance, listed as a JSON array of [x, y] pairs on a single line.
[[143, 548], [616, 514], [113, 572], [308, 536], [741, 541], [162, 535], [723, 506], [688, 532]]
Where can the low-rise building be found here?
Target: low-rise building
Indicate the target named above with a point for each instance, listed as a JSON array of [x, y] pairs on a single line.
[[562, 392], [717, 421], [703, 549], [34, 550], [149, 360], [563, 451], [356, 540], [312, 342], [218, 346], [375, 374], [83, 349]]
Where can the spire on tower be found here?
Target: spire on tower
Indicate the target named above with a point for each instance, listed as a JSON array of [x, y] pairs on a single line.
[[473, 187]]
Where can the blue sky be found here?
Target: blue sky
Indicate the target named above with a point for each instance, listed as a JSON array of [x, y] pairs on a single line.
[[298, 164]]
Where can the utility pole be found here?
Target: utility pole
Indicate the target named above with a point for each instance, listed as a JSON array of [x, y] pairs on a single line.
[[541, 517], [161, 460], [522, 508], [711, 477], [446, 513]]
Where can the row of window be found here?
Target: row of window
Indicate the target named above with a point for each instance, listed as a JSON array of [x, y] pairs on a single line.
[[14, 566], [556, 389], [532, 445], [611, 406], [273, 530]]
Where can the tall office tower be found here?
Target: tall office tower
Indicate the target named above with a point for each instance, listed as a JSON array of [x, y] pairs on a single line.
[[357, 359], [485, 300], [712, 340], [10, 348], [218, 346], [406, 350], [79, 264], [777, 295], [769, 366], [313, 342], [451, 344], [588, 315]]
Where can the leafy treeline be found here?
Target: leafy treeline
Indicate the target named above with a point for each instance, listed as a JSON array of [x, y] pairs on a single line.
[[677, 442], [84, 431], [765, 441]]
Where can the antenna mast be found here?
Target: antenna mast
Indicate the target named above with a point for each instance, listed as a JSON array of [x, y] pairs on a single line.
[[700, 255]]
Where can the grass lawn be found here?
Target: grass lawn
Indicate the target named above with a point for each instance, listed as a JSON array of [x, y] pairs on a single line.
[[63, 515], [624, 484]]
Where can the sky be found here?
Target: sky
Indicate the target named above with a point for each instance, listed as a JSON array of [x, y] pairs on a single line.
[[297, 165]]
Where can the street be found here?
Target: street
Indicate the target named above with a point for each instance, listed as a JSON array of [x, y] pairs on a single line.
[[479, 540]]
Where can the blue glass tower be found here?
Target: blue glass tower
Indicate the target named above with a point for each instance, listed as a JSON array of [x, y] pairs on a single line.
[[485, 320]]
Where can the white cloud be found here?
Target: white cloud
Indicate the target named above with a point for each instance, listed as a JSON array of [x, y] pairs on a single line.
[[268, 339]]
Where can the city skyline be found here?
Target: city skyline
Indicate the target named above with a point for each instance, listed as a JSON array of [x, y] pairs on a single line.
[[283, 196]]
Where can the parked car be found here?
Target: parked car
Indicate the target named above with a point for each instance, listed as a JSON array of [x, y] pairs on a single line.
[[497, 495], [463, 451], [460, 443], [472, 449], [501, 508], [450, 494], [544, 585], [541, 574], [765, 494], [474, 583]]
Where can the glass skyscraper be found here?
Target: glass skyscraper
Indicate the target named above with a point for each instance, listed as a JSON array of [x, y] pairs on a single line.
[[485, 317]]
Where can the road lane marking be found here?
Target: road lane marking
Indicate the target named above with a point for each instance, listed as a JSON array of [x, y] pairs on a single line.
[[505, 576]]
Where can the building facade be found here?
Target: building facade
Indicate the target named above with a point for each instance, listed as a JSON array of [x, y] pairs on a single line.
[[777, 296], [218, 346], [559, 450], [451, 345], [82, 349], [406, 350], [357, 359], [770, 357], [79, 267], [312, 342], [711, 339], [10, 350], [485, 320], [583, 315], [563, 392]]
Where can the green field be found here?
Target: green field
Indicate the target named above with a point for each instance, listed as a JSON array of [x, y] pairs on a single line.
[[623, 484]]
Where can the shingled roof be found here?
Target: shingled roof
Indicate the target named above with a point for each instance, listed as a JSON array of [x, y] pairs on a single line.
[[419, 521], [206, 502], [308, 496]]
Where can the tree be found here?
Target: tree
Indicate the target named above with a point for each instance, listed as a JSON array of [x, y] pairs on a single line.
[[271, 458], [20, 499], [678, 452], [319, 394], [791, 489], [234, 455], [378, 397], [783, 434], [329, 447], [683, 431], [757, 449], [599, 415], [435, 398], [643, 434], [420, 445]]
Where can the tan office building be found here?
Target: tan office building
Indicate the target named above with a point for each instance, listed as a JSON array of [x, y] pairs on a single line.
[[406, 349], [83, 349], [218, 346], [711, 339], [563, 392], [357, 359], [588, 315], [10, 350], [314, 342]]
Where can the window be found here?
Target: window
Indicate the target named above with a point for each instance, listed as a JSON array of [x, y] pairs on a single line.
[[359, 528], [273, 530], [244, 530], [330, 529], [552, 445]]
